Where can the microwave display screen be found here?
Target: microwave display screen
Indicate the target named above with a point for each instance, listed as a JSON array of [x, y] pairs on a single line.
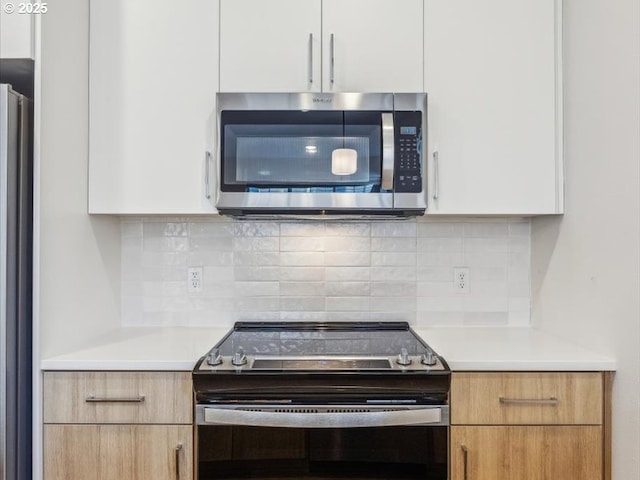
[[408, 130]]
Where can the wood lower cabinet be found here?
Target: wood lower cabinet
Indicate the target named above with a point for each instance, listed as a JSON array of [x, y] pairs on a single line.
[[530, 426], [116, 452], [526, 453], [118, 425]]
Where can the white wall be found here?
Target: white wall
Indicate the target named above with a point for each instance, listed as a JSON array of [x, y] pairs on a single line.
[[586, 264], [79, 255]]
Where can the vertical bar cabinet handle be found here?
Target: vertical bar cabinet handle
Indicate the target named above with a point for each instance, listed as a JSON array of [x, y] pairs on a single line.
[[207, 172], [311, 58], [332, 50], [436, 174], [465, 458], [177, 452]]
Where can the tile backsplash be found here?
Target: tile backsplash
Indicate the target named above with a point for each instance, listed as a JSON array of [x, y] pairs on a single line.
[[267, 270]]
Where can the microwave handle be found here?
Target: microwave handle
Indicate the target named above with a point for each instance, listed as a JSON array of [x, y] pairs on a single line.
[[388, 151]]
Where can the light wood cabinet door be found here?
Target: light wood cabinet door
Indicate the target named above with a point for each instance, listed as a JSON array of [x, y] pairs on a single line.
[[117, 452], [493, 76], [526, 398], [526, 453], [118, 397]]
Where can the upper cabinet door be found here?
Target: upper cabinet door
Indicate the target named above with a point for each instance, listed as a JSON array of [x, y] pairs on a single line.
[[270, 46], [372, 45], [153, 79], [493, 79]]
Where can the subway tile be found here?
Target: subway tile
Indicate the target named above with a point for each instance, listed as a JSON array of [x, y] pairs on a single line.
[[256, 244], [347, 259], [256, 229], [485, 259], [393, 274], [211, 244], [440, 244], [440, 229], [256, 258], [393, 244], [488, 274], [257, 289], [437, 259], [304, 274], [165, 229], [211, 229], [493, 319], [165, 244], [347, 244], [439, 319], [256, 273], [302, 244], [129, 229], [435, 289], [488, 230], [301, 259], [520, 244], [435, 274], [486, 245], [399, 228], [210, 258], [348, 230], [347, 289], [216, 274], [347, 304], [346, 274], [302, 288], [302, 303], [302, 229], [256, 304], [393, 259], [393, 304], [393, 289], [519, 288]]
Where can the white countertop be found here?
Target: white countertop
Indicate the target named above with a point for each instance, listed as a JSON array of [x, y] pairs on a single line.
[[469, 348]]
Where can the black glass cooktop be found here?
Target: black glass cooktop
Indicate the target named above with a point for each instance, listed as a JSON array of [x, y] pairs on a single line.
[[303, 339]]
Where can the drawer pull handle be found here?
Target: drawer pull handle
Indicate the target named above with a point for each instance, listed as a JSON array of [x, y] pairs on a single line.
[[529, 401], [94, 399], [465, 458], [177, 452]]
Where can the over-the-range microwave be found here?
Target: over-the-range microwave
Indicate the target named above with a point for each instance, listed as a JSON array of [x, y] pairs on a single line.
[[344, 154]]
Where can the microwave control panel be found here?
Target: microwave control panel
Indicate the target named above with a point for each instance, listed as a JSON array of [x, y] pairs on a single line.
[[408, 152]]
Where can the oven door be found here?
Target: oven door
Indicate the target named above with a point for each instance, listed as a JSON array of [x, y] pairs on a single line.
[[322, 442], [305, 160]]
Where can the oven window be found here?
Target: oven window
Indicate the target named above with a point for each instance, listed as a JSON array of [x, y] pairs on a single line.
[[315, 151], [226, 452]]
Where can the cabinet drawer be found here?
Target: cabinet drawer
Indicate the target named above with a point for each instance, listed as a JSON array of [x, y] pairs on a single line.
[[526, 398], [118, 397]]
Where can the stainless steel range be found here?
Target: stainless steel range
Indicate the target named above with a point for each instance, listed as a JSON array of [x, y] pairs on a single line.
[[308, 400]]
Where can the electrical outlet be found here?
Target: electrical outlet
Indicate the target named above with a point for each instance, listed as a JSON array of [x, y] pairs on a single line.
[[461, 279], [194, 280]]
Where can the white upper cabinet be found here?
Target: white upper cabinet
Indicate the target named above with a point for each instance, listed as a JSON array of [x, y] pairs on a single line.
[[270, 45], [17, 28], [372, 45], [153, 79], [314, 45], [493, 79]]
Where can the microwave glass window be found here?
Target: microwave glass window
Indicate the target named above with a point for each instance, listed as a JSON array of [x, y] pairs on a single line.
[[302, 151]]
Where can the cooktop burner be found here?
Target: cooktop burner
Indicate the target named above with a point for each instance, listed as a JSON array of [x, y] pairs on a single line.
[[309, 346], [302, 362]]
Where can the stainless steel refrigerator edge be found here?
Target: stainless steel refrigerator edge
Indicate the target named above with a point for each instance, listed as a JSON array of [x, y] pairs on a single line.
[[16, 239]]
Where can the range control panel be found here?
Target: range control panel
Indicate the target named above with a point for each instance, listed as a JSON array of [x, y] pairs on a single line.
[[408, 152]]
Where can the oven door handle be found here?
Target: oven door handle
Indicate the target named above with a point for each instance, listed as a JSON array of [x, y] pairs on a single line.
[[388, 151], [306, 417]]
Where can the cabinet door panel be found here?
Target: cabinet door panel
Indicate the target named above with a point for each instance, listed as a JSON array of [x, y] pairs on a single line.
[[490, 73], [526, 453], [377, 45], [117, 452], [153, 75], [265, 46]]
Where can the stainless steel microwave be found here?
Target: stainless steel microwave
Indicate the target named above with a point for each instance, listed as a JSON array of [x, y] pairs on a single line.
[[321, 154]]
